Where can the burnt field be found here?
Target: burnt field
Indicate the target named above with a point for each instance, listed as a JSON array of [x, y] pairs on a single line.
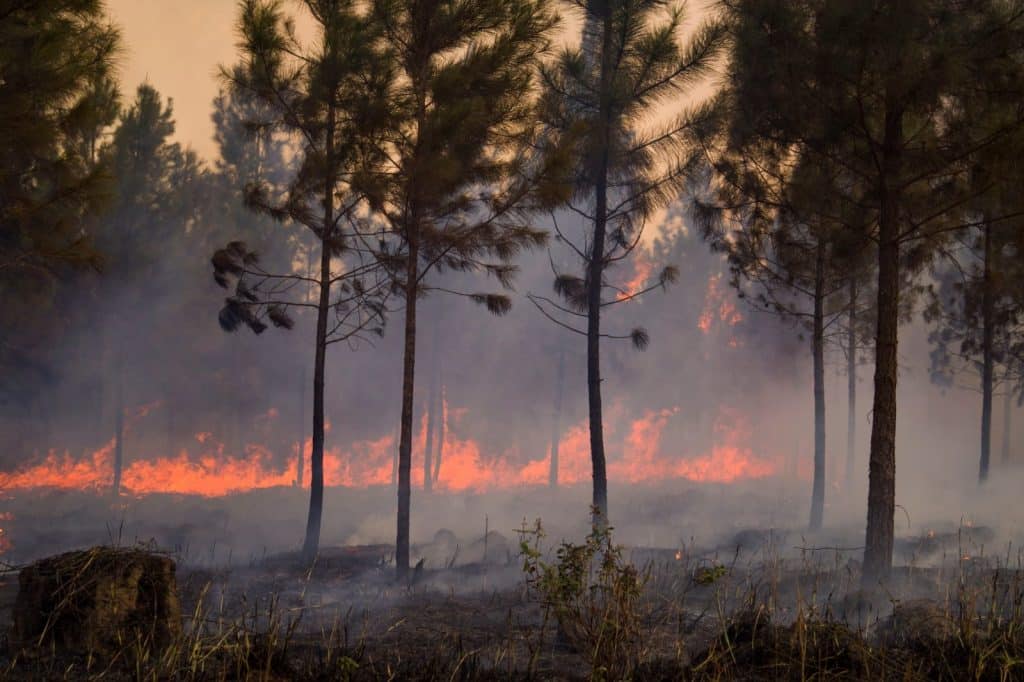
[[689, 587]]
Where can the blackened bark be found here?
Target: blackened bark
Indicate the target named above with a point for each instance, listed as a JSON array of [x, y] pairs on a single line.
[[987, 361], [882, 461], [597, 456], [394, 464], [851, 387], [595, 276], [556, 417], [311, 546], [818, 343], [408, 385]]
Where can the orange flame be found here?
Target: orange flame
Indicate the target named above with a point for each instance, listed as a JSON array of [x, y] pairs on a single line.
[[466, 467], [719, 308], [642, 269]]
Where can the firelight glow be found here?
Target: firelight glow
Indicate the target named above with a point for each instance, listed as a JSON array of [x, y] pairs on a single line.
[[210, 471]]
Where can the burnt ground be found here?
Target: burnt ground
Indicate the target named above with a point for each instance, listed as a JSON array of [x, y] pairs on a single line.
[[741, 602], [757, 607]]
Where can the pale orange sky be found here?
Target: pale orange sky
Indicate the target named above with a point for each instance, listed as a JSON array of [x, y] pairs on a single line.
[[177, 45]]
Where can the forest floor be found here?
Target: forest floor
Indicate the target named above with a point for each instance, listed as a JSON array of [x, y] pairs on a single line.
[[758, 611], [742, 601]]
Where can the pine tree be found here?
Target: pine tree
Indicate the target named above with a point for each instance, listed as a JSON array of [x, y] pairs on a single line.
[[607, 171], [796, 263], [452, 193], [56, 100], [325, 98], [157, 193], [871, 90], [977, 313]]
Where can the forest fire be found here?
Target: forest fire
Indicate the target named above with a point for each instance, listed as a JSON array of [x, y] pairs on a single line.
[[719, 308], [389, 339], [211, 471], [643, 268]]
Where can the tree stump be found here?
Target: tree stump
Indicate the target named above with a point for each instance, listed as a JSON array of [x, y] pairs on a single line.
[[97, 601]]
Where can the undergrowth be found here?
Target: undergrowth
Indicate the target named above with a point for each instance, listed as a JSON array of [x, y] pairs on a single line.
[[586, 611]]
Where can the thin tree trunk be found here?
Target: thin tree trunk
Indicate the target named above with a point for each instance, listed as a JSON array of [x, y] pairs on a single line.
[[394, 463], [119, 425], [987, 362], [428, 448], [233, 432], [442, 429], [818, 489], [556, 429], [408, 386], [1007, 408], [311, 547], [595, 276], [851, 387], [878, 542], [99, 434], [300, 465]]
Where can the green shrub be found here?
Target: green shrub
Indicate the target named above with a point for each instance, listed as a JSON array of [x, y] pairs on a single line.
[[594, 595]]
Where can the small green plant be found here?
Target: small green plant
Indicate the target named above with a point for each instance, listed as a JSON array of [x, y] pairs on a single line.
[[595, 596], [709, 575]]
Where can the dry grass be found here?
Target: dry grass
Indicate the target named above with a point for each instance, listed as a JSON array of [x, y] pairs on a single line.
[[774, 614]]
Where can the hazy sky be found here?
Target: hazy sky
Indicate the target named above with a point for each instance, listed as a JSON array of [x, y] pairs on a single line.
[[176, 45]]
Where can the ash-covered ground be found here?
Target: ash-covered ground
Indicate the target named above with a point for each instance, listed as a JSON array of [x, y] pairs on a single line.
[[712, 560]]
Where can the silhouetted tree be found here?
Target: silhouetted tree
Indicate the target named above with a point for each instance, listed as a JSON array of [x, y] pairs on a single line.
[[56, 99], [157, 196], [871, 90], [801, 253], [977, 313], [326, 99], [452, 192], [612, 171]]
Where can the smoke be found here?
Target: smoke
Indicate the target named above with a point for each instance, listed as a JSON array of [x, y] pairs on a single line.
[[709, 431]]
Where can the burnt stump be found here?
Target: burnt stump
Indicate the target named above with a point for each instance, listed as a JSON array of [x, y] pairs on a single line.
[[97, 601]]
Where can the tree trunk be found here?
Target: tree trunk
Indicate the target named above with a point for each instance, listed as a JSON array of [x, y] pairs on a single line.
[[987, 362], [316, 457], [408, 385], [878, 542], [818, 342], [442, 428], [428, 447], [595, 274], [394, 464], [119, 425], [851, 388], [556, 417], [1007, 407], [300, 464]]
